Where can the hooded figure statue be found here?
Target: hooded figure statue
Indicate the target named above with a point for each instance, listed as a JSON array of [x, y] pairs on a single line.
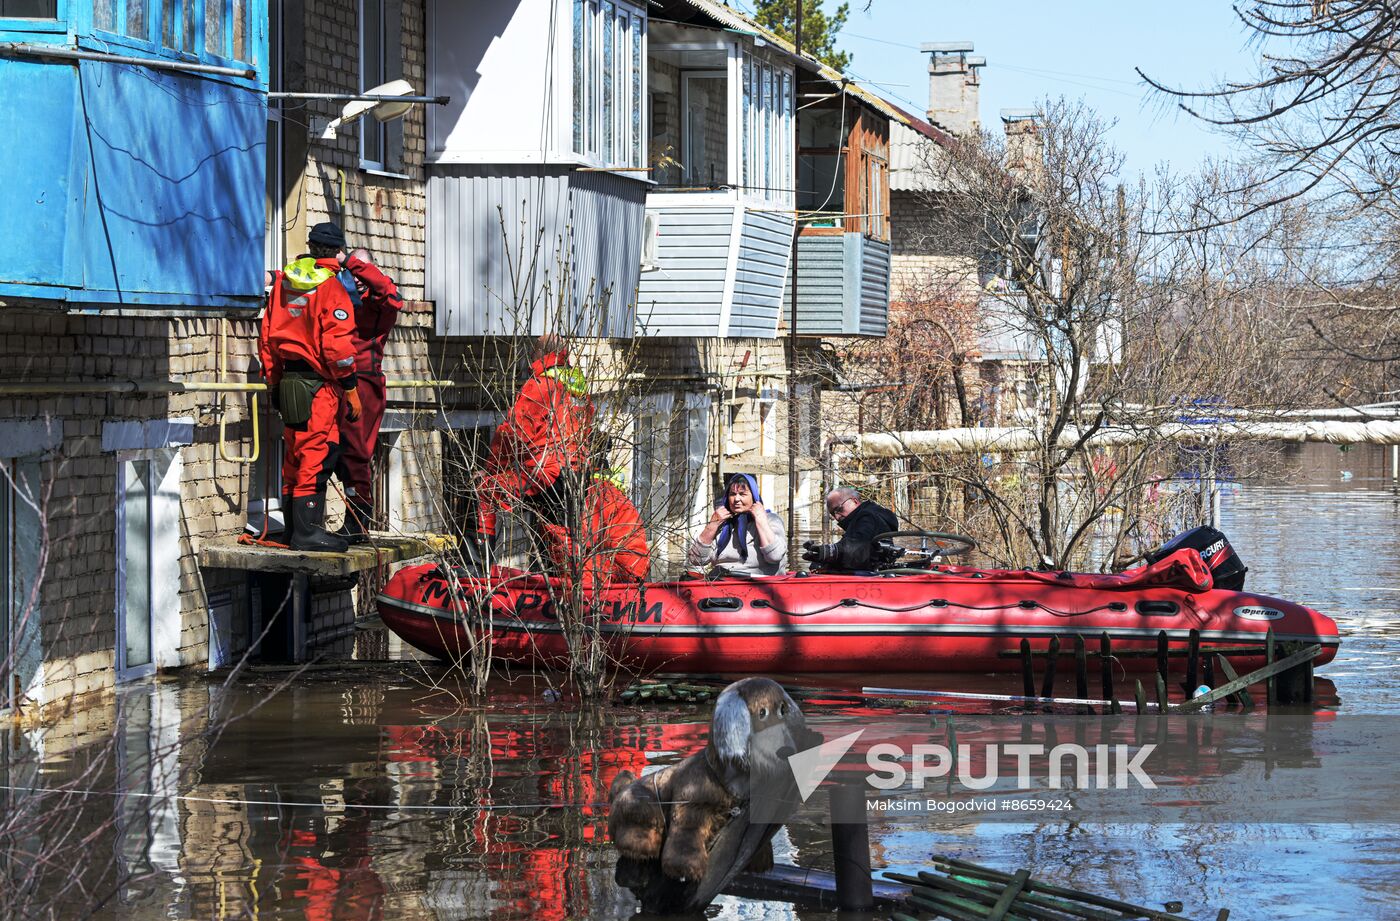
[[742, 536]]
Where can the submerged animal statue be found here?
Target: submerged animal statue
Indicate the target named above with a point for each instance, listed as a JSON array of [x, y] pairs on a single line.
[[665, 824]]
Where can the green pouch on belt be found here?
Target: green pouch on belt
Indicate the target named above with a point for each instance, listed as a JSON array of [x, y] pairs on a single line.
[[295, 393]]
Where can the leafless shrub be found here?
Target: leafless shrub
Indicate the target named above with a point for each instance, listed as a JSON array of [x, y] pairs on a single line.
[[1106, 305]]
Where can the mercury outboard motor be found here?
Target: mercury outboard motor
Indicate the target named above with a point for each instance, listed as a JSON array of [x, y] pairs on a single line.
[[1226, 570]]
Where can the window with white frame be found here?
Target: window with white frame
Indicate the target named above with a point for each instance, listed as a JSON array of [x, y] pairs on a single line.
[[609, 56], [688, 96], [381, 60], [766, 131], [219, 30], [148, 560], [20, 542]]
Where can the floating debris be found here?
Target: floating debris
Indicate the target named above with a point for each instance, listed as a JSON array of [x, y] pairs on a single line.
[[964, 891]]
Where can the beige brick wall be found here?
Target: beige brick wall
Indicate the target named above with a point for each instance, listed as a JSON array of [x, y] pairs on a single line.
[[382, 213]]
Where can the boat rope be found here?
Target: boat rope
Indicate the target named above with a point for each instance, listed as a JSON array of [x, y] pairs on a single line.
[[309, 804], [1025, 604]]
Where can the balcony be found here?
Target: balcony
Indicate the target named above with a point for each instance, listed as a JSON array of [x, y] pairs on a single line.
[[843, 285]]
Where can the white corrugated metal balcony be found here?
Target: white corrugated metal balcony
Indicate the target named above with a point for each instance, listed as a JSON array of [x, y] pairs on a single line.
[[712, 267], [843, 285]]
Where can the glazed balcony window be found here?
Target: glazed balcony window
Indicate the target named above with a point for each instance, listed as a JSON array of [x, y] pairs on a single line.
[[198, 31], [609, 46]]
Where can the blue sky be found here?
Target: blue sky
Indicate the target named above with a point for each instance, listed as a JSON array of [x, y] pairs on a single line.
[[1074, 48]]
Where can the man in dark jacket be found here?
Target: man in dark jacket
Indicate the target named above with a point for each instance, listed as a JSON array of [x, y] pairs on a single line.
[[861, 521]]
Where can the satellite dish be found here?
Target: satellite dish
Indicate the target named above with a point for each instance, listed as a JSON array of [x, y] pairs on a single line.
[[385, 111]]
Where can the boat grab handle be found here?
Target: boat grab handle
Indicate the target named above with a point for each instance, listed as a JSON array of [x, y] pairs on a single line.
[[1156, 607], [724, 603]]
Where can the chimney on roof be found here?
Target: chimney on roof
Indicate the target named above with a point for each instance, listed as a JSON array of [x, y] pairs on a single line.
[[1022, 127], [953, 83]]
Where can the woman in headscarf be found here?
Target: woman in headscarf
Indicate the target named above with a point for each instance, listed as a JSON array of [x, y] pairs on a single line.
[[742, 536]]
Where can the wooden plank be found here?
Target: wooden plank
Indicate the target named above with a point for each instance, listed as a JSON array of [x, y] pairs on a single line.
[[1047, 686], [1081, 668], [1027, 670], [1027, 904], [969, 695], [1307, 654], [1242, 698], [1193, 653], [1106, 666], [1272, 697], [227, 553], [966, 868], [1009, 894]]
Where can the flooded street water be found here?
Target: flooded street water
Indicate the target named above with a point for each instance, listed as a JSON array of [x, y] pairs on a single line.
[[368, 791]]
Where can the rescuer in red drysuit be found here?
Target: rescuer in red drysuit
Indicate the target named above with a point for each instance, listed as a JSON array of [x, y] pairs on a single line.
[[377, 304], [538, 455], [307, 351], [611, 544]]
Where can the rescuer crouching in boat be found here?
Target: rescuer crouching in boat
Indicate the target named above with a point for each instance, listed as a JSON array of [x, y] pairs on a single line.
[[861, 521], [665, 824], [610, 544]]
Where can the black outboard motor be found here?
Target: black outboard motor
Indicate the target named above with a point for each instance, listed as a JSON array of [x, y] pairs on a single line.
[[1225, 567]]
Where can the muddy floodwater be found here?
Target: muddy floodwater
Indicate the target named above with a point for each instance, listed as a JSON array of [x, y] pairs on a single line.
[[367, 790]]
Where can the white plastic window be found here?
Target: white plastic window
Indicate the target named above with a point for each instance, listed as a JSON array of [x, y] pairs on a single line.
[[767, 131], [608, 56]]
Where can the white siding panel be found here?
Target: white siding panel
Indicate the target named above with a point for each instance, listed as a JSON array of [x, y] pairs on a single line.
[[874, 289], [763, 269], [501, 237], [684, 295], [821, 287]]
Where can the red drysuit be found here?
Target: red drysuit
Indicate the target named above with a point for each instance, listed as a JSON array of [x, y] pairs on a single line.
[[611, 545], [377, 306], [545, 434], [308, 328]]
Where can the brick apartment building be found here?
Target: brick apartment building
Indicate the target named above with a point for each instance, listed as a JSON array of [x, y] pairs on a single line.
[[156, 190]]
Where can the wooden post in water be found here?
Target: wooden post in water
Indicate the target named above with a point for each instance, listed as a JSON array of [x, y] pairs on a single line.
[[1140, 697], [1047, 689], [1163, 661], [1106, 667], [1283, 689], [1081, 671], [1193, 652], [1306, 676], [1161, 693], [850, 848], [1272, 697], [1027, 670]]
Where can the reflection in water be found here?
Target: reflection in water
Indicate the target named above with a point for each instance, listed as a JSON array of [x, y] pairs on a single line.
[[361, 794], [365, 792]]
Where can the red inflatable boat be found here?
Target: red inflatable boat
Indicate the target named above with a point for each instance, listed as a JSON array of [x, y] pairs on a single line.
[[938, 618]]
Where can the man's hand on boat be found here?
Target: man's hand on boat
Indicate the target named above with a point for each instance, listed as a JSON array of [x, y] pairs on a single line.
[[818, 554]]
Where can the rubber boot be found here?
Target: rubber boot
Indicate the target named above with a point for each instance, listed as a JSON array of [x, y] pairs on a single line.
[[286, 533], [308, 526], [358, 516]]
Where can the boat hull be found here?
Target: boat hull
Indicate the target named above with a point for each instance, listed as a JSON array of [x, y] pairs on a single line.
[[839, 623]]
